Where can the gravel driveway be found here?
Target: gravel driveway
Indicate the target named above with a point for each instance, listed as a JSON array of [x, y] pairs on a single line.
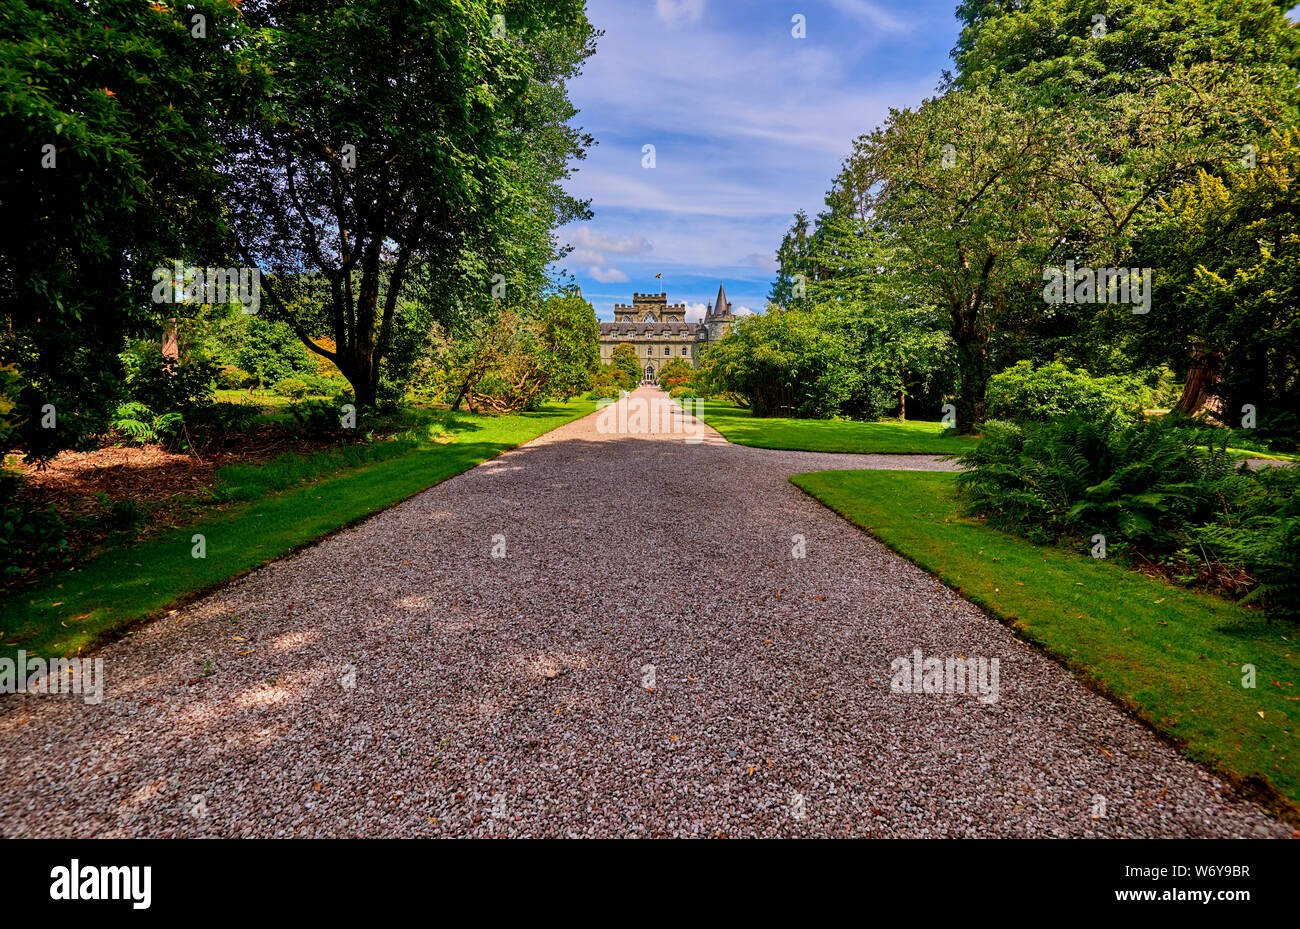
[[649, 658]]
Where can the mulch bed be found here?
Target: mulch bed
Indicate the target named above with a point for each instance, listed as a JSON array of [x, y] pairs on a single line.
[[167, 486]]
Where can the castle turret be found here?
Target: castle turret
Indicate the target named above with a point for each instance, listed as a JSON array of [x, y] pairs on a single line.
[[718, 318]]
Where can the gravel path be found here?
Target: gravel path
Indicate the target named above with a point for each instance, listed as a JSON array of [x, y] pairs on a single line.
[[398, 680]]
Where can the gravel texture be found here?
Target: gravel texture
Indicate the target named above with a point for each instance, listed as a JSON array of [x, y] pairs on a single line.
[[398, 680]]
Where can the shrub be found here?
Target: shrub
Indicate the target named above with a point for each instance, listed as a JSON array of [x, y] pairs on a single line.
[[292, 387], [1153, 489], [321, 419], [676, 373], [1023, 392], [233, 378], [1078, 475], [139, 424], [167, 386], [29, 534], [271, 352], [193, 430]]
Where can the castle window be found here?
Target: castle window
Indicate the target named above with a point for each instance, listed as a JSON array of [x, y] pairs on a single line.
[[686, 350]]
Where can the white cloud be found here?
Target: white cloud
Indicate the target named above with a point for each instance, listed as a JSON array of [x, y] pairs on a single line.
[[679, 12], [742, 311], [871, 13], [695, 312], [584, 238], [764, 260], [607, 275], [584, 256]]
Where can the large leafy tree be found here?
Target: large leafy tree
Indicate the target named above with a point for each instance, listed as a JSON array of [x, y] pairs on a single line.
[[962, 189], [109, 116], [1230, 250], [1149, 93], [626, 361], [1117, 47], [569, 343], [894, 346], [409, 158]]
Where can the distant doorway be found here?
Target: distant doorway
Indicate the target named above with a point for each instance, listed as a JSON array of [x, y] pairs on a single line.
[[650, 373]]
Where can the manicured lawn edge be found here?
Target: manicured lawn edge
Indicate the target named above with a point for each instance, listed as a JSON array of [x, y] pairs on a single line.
[[913, 437], [1168, 657], [77, 610]]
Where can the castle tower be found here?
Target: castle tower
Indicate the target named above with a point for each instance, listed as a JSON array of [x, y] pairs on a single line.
[[718, 319]]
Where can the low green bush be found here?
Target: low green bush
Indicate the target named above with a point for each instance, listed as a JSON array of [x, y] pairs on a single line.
[[1024, 392], [292, 387], [321, 419], [234, 378], [30, 536]]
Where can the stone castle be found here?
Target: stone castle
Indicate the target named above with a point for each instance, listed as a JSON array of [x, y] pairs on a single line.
[[659, 331]]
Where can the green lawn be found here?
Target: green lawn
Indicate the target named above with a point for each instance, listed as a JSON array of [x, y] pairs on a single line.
[[76, 609], [1172, 656], [832, 435]]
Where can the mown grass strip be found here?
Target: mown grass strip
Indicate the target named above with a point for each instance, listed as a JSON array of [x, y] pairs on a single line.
[[74, 610], [1171, 656], [913, 437]]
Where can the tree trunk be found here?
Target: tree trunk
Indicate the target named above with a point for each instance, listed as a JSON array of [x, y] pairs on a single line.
[[1199, 390], [970, 395], [171, 344]]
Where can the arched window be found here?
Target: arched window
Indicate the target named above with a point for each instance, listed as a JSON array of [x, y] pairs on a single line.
[[650, 317]]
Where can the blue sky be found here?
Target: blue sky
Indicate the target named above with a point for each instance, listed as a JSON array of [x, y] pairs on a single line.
[[749, 124]]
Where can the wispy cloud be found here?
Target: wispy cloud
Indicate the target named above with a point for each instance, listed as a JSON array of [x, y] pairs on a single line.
[[749, 124], [679, 12], [607, 275], [582, 237], [871, 13]]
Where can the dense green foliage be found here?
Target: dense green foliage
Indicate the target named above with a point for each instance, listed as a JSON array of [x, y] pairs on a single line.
[[1024, 391], [110, 124], [1149, 136], [1149, 489], [512, 359], [832, 359], [1228, 246], [626, 365], [387, 167], [677, 374]]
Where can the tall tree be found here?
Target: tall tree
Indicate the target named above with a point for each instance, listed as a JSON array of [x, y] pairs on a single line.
[[961, 187], [410, 149], [1230, 250], [109, 115]]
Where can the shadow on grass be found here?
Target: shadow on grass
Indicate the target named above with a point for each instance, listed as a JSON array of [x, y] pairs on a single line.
[[78, 609]]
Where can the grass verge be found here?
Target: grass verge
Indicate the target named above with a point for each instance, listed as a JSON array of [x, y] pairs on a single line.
[[1171, 657], [889, 437], [80, 608]]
